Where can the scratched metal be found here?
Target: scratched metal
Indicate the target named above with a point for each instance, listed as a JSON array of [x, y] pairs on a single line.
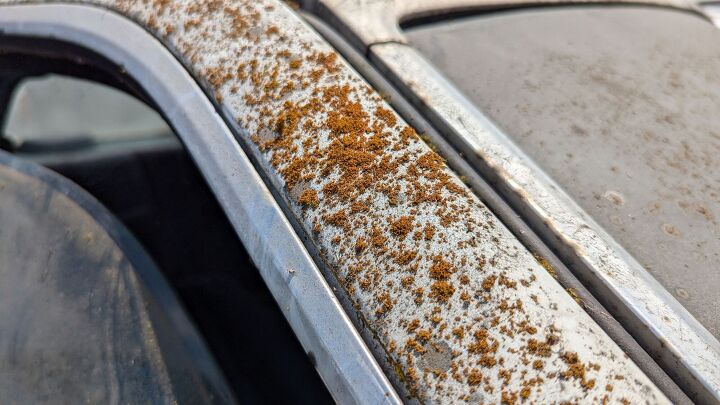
[[461, 308]]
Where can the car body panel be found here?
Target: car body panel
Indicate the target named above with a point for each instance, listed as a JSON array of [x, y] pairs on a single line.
[[626, 127], [453, 306], [307, 301], [687, 351]]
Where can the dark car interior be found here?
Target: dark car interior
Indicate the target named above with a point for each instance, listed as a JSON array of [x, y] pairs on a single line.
[[150, 183]]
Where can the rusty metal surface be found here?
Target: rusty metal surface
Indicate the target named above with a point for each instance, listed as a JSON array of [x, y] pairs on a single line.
[[458, 307], [375, 21]]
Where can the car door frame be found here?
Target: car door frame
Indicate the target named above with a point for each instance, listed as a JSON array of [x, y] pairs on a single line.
[[326, 333]]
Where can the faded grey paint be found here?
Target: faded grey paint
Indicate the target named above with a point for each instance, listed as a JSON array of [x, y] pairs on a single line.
[[621, 106]]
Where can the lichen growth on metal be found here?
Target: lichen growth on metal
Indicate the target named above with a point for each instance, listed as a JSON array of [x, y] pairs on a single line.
[[378, 20], [463, 311]]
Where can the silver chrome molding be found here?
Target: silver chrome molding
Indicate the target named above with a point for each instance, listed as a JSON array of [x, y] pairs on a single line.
[[686, 350], [347, 367]]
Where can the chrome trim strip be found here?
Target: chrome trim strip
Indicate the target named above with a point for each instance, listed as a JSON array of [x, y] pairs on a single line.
[[712, 10], [686, 349], [349, 370]]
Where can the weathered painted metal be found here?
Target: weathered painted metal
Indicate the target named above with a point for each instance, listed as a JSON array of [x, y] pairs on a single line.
[[675, 334], [377, 21], [320, 323], [665, 327], [457, 308]]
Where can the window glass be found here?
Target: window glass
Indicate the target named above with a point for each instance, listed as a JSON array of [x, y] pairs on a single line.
[[121, 152], [57, 108]]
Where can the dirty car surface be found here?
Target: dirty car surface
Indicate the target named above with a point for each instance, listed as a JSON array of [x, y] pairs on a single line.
[[454, 307]]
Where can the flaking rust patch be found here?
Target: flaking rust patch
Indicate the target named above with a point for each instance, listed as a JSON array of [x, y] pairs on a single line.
[[463, 310]]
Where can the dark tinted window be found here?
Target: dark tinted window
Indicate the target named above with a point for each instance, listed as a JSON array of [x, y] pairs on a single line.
[[125, 155]]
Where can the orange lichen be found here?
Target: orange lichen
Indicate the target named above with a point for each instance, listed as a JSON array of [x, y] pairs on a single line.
[[402, 226], [576, 370], [508, 397], [338, 218], [525, 393], [474, 377], [365, 182], [309, 198], [386, 303], [441, 291], [413, 345], [538, 348], [360, 244], [488, 282], [405, 257], [386, 115], [413, 325], [422, 335], [440, 268]]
